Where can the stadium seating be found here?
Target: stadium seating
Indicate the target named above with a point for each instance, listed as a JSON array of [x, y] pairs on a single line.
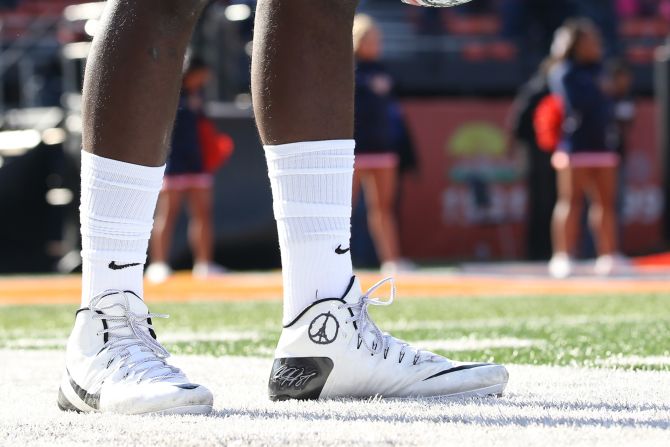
[[473, 40]]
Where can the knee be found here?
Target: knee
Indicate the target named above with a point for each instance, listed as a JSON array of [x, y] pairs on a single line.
[[562, 206], [596, 210], [575, 204]]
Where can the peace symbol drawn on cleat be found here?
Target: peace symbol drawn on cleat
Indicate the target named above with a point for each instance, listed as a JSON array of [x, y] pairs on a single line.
[[323, 329]]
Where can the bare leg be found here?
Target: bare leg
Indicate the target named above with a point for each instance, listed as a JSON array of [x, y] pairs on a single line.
[[565, 224], [303, 89], [130, 93], [303, 70], [602, 215], [303, 99], [133, 78], [356, 188], [200, 231], [380, 195], [167, 211]]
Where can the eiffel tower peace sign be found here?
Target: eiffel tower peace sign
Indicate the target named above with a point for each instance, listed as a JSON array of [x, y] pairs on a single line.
[[323, 329]]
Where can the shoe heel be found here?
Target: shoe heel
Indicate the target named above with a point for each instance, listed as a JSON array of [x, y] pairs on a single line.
[[64, 404], [301, 378]]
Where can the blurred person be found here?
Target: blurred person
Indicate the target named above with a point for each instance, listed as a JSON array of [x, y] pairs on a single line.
[[585, 160], [643, 8], [186, 177], [619, 87], [377, 151], [603, 13], [531, 24], [303, 90], [541, 178]]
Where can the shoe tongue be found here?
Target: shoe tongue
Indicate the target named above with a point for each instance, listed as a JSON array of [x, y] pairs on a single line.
[[354, 292], [114, 304]]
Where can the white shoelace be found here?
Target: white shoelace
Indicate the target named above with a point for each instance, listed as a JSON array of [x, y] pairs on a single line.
[[382, 341], [153, 366]]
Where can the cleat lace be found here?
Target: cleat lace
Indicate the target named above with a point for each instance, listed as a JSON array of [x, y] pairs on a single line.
[[153, 366], [382, 340]]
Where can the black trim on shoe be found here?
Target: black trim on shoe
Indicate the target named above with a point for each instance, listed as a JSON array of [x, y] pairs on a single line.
[[351, 284], [105, 337], [151, 331], [92, 400], [130, 291], [458, 368], [64, 404], [301, 378], [81, 310], [188, 386]]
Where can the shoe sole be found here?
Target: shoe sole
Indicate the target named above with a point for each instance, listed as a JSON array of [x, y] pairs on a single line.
[[490, 391], [68, 400]]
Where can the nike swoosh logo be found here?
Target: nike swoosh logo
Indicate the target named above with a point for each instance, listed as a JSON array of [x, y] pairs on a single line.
[[341, 251], [114, 266], [457, 368], [187, 386]]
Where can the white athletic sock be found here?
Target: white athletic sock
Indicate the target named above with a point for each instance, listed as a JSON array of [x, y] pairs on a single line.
[[118, 201], [311, 187]]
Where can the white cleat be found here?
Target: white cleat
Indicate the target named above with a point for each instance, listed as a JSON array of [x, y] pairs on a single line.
[[204, 270], [158, 272], [393, 268], [612, 265], [561, 266], [114, 364], [333, 349]]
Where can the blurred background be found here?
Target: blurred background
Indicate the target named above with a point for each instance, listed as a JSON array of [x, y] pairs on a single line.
[[476, 191]]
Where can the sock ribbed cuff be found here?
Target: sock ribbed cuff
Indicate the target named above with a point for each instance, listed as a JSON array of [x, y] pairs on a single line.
[[149, 176]]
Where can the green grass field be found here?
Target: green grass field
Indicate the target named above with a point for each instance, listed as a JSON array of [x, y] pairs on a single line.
[[628, 331]]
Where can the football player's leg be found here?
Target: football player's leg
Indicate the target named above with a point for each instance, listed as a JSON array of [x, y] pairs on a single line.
[[303, 98], [113, 361], [131, 87], [302, 81]]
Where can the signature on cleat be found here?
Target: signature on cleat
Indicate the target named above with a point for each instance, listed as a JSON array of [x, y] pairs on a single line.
[[287, 376]]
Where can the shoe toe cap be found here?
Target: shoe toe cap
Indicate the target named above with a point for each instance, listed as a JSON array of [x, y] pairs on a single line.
[[183, 398], [467, 379]]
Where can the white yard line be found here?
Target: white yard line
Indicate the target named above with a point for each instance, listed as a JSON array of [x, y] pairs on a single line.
[[635, 360], [471, 344], [174, 337], [530, 322], [543, 406]]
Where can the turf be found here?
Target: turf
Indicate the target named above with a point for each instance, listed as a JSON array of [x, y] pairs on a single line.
[[543, 330], [542, 406]]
